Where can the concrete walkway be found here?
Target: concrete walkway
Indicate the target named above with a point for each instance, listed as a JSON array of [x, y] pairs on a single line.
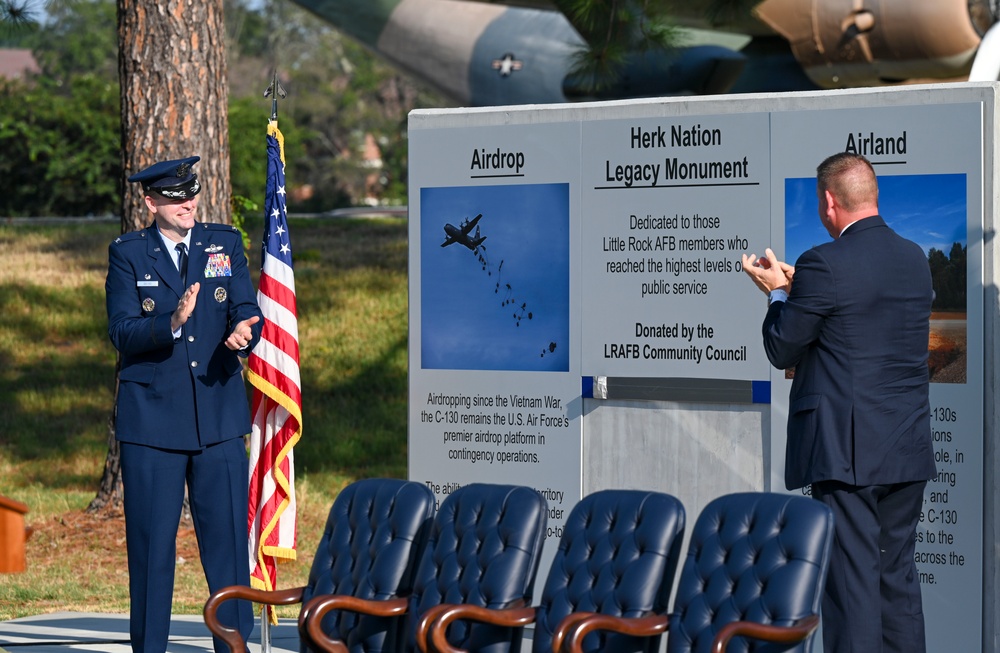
[[88, 631]]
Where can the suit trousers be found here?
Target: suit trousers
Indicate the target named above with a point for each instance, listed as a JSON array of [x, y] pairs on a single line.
[[872, 600], [153, 481]]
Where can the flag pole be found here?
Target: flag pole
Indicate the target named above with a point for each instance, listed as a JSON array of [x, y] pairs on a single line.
[[265, 630], [275, 91], [273, 371]]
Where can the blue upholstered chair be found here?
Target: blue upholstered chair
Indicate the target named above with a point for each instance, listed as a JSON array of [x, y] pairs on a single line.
[[617, 556], [368, 552], [483, 549], [751, 581]]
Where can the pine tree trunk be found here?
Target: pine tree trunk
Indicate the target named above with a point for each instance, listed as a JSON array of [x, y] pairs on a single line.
[[174, 103], [174, 97], [110, 494]]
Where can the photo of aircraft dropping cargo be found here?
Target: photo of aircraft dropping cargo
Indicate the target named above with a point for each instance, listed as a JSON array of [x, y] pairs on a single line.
[[460, 234], [495, 52], [506, 311]]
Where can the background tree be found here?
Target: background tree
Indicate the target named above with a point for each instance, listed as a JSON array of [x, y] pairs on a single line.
[[615, 32], [18, 20], [60, 147], [17, 13], [77, 39], [174, 98], [949, 274], [59, 130]]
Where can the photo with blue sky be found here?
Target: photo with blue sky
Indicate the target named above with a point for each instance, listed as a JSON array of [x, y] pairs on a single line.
[[930, 210], [505, 304]]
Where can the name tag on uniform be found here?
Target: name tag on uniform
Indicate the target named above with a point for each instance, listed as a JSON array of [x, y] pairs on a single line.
[[144, 284]]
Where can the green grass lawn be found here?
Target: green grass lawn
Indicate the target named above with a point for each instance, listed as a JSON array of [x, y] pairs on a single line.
[[57, 382]]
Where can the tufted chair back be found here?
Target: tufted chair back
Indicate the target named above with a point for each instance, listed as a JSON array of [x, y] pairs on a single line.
[[756, 557], [483, 550], [370, 547], [617, 556]]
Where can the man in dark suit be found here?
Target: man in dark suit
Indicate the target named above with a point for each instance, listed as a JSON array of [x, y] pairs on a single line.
[[181, 312], [855, 326]]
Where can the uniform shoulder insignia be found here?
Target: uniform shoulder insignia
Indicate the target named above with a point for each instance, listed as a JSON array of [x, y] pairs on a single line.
[[215, 226], [130, 237]]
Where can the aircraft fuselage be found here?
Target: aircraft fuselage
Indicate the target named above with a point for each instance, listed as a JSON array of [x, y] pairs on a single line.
[[457, 235], [496, 52]]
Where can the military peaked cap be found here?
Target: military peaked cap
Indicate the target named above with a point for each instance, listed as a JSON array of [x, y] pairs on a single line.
[[171, 179]]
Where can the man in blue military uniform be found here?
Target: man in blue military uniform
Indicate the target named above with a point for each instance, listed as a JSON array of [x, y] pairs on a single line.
[[181, 311]]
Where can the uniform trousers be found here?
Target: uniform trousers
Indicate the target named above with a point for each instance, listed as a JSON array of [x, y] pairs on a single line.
[[153, 481]]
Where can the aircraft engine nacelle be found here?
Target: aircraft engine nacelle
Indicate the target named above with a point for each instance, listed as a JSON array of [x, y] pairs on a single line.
[[847, 43]]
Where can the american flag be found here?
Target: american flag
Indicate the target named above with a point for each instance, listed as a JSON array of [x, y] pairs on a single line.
[[277, 400]]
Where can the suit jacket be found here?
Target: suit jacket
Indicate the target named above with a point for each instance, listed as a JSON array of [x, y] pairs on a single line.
[[189, 393], [856, 329]]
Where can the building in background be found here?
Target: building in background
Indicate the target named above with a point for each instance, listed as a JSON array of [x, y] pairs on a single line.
[[17, 63]]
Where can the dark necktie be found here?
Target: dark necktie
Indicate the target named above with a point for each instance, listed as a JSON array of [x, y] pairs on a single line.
[[182, 262]]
